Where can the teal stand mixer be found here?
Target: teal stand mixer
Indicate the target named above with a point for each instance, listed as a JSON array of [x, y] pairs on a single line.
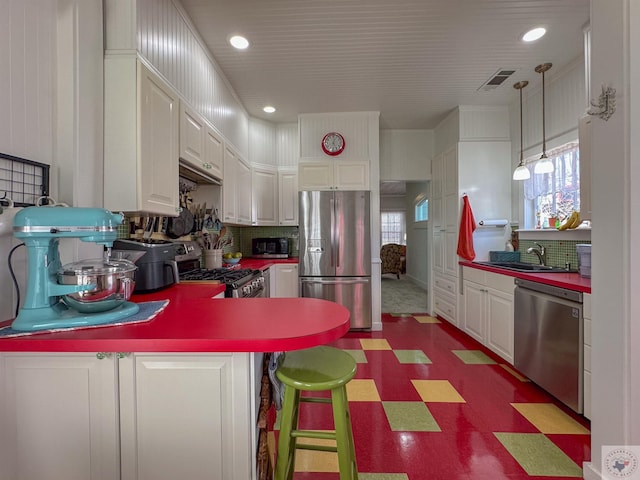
[[48, 302]]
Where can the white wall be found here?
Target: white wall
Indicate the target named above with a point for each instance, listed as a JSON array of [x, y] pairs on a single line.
[[163, 34], [51, 94], [615, 61], [27, 80], [417, 237], [406, 154]]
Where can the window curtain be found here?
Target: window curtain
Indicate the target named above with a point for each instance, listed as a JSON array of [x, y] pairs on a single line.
[[543, 184]]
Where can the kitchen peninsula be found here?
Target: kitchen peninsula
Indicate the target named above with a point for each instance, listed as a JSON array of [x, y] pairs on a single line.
[[173, 397]]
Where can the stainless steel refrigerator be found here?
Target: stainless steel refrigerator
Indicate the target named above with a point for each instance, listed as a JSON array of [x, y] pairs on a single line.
[[335, 250]]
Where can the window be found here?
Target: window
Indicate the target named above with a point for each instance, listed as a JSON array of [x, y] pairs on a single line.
[[421, 212], [392, 225], [554, 194]]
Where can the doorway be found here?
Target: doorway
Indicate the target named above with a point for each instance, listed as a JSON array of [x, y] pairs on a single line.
[[407, 294]]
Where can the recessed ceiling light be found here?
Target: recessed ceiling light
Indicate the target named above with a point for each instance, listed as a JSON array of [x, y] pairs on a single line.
[[239, 42], [269, 109], [534, 34]]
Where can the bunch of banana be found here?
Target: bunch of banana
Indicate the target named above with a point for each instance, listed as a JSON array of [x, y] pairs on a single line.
[[572, 221]]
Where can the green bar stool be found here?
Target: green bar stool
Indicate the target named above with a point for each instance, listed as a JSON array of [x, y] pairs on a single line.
[[316, 369]]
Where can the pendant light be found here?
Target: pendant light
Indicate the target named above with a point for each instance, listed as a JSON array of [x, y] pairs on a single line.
[[544, 165], [521, 172]]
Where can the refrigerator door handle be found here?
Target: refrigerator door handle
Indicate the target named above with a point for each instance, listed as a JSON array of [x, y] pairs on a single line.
[[336, 236], [336, 281], [333, 231]]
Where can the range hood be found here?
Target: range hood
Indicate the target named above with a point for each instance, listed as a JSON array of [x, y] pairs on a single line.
[[198, 176]]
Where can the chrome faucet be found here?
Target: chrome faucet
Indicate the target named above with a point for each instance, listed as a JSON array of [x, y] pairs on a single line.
[[541, 252]]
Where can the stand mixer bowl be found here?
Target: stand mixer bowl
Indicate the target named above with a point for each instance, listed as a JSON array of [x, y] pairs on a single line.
[[113, 279]]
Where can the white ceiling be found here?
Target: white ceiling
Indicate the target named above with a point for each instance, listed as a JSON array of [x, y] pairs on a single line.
[[412, 60]]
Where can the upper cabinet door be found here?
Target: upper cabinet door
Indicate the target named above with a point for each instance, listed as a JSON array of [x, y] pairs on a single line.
[[288, 197], [351, 175], [141, 139], [200, 145], [243, 192], [315, 175], [265, 195], [159, 149], [192, 134], [229, 203], [213, 152]]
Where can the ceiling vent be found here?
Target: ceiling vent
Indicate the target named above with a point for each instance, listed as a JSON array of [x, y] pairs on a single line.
[[496, 80]]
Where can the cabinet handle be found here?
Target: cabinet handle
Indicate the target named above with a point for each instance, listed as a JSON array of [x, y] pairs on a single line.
[[123, 354], [103, 355]]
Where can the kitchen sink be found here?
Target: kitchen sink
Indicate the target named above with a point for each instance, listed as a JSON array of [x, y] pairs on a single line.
[[526, 267]]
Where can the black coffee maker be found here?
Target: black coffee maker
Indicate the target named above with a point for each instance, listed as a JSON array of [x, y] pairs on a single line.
[[157, 268]]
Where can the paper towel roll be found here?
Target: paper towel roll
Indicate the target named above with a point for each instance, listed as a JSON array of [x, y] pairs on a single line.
[[501, 222]]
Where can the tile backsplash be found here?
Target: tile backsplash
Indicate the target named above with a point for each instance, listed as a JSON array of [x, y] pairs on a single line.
[[558, 252], [241, 236]]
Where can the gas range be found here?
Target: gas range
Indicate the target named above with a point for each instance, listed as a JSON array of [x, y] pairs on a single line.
[[240, 282]]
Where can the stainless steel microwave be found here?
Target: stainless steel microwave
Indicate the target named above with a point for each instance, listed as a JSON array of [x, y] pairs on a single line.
[[270, 247]]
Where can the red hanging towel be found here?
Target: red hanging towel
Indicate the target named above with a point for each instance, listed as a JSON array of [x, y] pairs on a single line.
[[465, 235]]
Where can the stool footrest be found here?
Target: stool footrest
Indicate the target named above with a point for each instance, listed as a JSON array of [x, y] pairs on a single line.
[[322, 448], [315, 399], [313, 434]]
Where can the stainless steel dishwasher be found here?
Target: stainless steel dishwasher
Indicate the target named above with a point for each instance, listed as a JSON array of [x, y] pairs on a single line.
[[548, 339]]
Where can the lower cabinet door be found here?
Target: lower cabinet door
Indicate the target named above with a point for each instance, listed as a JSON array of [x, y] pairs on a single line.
[[58, 417], [474, 310], [500, 323], [186, 417]]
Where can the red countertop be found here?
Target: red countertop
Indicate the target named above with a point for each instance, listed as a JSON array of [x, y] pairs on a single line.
[[571, 281], [264, 263], [195, 322]]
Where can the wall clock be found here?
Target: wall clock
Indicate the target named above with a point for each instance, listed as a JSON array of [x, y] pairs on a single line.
[[333, 143]]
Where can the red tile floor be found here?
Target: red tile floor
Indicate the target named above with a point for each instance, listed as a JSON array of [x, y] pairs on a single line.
[[429, 402]]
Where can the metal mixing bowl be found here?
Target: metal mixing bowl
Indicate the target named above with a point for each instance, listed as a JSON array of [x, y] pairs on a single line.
[[113, 280]]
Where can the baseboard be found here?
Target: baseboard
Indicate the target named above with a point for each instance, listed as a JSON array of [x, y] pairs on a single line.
[[589, 472], [419, 283]]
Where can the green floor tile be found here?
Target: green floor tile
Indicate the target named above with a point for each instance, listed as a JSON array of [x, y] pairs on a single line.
[[538, 455], [383, 476], [410, 417], [358, 355], [473, 357], [411, 356]]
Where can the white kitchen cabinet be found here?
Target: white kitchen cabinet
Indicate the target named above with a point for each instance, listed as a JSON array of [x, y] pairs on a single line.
[[264, 180], [333, 175], [284, 280], [186, 416], [141, 416], [141, 139], [200, 145], [474, 159], [586, 314], [229, 201], [244, 191], [214, 152], [59, 417], [487, 316], [287, 196], [445, 297], [444, 206]]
